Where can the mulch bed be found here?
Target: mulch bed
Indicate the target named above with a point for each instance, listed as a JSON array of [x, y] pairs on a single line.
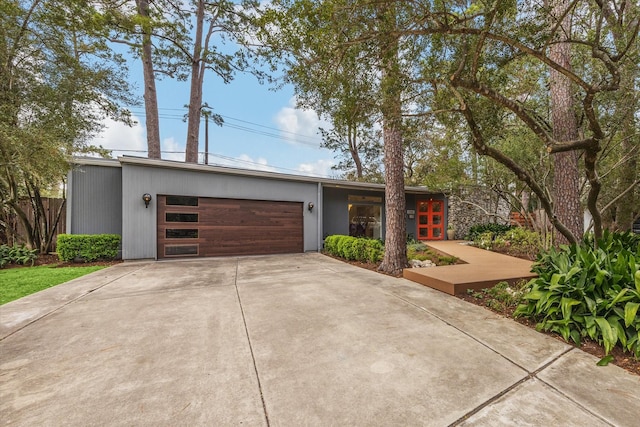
[[53, 260]]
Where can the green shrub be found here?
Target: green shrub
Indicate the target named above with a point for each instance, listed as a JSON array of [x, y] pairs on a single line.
[[496, 229], [88, 247], [586, 291], [17, 255], [519, 240], [416, 247], [374, 250], [354, 248]]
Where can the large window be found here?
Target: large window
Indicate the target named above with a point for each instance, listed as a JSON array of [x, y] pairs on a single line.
[[365, 221]]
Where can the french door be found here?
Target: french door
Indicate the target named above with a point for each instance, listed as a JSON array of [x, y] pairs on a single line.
[[430, 220]]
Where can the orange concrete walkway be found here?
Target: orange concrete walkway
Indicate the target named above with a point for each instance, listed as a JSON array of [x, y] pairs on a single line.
[[483, 269]]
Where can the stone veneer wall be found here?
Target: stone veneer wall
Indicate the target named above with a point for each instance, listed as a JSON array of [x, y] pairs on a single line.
[[469, 206]]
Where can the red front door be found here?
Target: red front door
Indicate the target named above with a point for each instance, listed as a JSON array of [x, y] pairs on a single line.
[[430, 220]]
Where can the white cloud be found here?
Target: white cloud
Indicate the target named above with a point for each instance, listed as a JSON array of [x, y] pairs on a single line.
[[117, 136], [172, 150], [298, 126], [321, 168]]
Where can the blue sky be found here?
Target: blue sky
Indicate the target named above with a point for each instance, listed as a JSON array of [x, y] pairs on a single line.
[[263, 129]]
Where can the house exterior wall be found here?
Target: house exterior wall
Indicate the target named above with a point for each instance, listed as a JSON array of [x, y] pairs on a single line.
[[139, 223], [335, 215], [94, 199]]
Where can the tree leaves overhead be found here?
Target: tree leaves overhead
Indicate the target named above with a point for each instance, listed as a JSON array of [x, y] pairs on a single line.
[[481, 68], [58, 81]]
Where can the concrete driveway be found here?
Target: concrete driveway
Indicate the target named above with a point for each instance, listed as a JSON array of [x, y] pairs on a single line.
[[287, 341]]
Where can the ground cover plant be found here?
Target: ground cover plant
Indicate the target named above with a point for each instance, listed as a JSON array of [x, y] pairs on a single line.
[[17, 255], [16, 283], [421, 252], [508, 239]]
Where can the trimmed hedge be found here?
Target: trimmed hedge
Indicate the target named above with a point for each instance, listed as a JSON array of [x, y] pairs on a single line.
[[88, 247], [354, 248]]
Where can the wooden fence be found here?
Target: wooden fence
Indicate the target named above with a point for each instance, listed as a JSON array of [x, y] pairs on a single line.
[[15, 232]]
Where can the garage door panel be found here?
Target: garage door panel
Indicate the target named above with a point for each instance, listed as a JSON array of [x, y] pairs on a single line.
[[231, 227]]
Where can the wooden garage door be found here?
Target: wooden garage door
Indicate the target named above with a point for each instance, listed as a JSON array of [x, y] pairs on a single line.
[[201, 226]]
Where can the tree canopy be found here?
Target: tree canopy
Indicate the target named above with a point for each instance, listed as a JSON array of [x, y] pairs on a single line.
[[58, 81]]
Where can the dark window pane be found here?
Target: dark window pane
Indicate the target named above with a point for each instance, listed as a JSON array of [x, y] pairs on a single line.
[[182, 201], [424, 232], [182, 233], [436, 207], [436, 232], [424, 219], [181, 250], [436, 219], [181, 217]]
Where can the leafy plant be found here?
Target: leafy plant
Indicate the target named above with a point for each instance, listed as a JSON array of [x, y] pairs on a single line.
[[17, 255], [420, 252], [589, 290], [476, 230], [502, 297]]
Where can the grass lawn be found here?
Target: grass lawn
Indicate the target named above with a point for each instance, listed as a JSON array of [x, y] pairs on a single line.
[[19, 282]]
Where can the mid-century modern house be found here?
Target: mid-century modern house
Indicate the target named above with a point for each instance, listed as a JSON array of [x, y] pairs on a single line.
[[167, 209]]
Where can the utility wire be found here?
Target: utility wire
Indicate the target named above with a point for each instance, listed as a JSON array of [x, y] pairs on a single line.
[[276, 134]]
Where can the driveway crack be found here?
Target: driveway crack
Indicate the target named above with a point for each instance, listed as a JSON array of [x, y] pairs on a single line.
[[253, 358]]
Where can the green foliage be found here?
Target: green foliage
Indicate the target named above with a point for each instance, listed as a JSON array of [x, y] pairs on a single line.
[[519, 240], [416, 247], [476, 230], [17, 255], [502, 297], [508, 239], [19, 282], [589, 291], [354, 248], [59, 80], [420, 252], [88, 247]]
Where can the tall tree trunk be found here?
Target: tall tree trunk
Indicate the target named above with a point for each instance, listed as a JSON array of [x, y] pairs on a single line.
[[150, 95], [395, 248], [353, 148], [195, 95], [566, 178], [630, 147]]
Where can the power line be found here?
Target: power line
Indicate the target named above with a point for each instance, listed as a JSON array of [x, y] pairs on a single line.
[[298, 138]]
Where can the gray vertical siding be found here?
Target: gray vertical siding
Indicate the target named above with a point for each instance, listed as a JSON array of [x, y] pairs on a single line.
[[108, 199], [139, 224], [94, 200]]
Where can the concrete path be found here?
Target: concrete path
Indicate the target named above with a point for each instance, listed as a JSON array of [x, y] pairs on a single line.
[[287, 341]]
